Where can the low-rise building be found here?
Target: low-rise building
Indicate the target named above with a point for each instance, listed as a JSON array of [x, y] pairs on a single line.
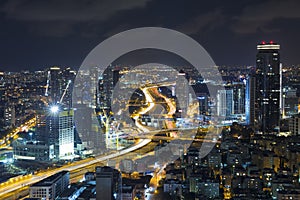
[[51, 187], [32, 150]]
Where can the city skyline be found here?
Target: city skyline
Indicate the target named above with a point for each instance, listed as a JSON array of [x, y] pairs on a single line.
[[149, 99], [38, 35], [157, 148]]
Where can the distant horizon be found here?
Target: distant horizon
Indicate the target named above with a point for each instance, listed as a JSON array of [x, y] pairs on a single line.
[[77, 68]]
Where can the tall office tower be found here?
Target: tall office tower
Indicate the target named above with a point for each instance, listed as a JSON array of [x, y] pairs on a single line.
[[267, 92], [225, 103], [250, 100], [108, 184], [60, 132]]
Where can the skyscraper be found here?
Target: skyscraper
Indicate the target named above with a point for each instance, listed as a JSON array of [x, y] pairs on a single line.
[[106, 85], [267, 87], [54, 84], [182, 92]]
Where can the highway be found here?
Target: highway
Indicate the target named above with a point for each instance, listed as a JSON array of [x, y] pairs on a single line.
[[143, 111], [18, 182], [171, 111], [151, 104]]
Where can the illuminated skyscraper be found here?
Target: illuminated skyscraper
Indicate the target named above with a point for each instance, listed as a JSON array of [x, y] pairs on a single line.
[[267, 87]]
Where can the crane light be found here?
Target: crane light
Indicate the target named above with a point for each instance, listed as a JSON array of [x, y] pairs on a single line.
[[54, 109]]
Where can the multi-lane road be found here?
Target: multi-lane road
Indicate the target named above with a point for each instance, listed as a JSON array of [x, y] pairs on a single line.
[[18, 182]]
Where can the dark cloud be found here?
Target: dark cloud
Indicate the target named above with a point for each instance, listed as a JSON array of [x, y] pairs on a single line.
[[204, 22], [67, 10], [56, 32], [58, 18], [259, 17]]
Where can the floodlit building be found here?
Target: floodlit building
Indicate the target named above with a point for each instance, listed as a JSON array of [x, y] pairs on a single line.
[[60, 131]]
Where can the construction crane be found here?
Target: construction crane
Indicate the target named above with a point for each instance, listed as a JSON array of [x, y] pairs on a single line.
[[47, 84], [54, 108], [65, 91]]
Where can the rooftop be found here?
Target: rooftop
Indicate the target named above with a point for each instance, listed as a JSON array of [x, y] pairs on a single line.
[[50, 180]]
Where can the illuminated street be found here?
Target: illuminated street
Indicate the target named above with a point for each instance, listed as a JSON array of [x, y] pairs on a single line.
[[5, 142]]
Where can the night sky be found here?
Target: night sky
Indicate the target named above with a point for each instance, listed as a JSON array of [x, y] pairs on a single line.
[[36, 34]]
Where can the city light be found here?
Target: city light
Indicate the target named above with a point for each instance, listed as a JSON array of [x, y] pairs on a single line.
[[54, 109], [161, 143]]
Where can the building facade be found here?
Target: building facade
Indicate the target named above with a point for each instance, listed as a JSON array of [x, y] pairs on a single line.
[[294, 125]]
